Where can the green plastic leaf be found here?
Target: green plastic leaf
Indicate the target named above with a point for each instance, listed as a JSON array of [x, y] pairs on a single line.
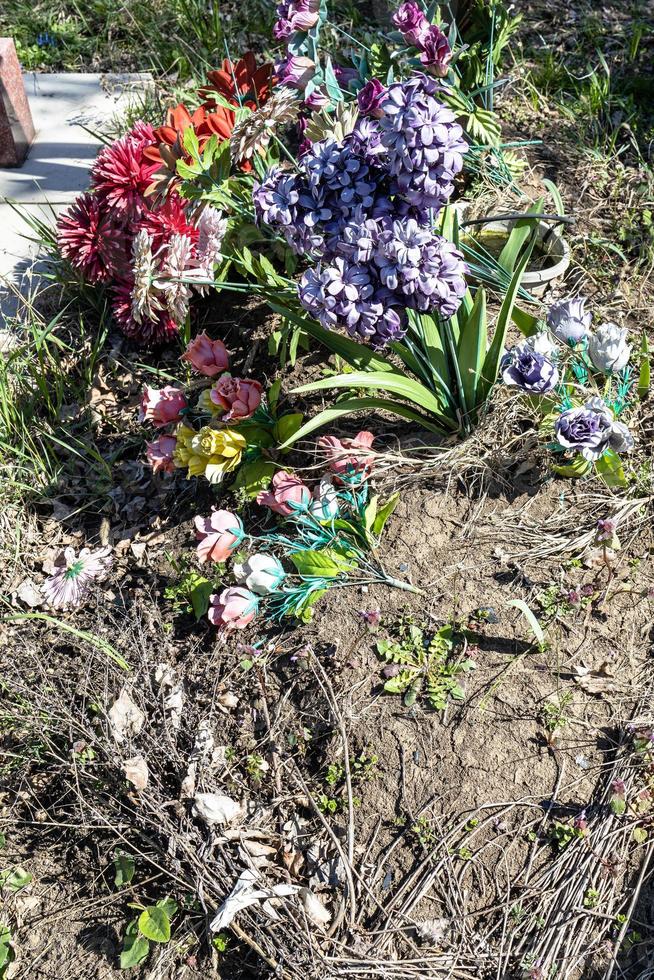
[[255, 476], [287, 426], [154, 924], [397, 384], [471, 353], [135, 948], [14, 879], [199, 597], [370, 513], [7, 954], [645, 374], [384, 513], [304, 608], [492, 360], [517, 239], [326, 564], [124, 868], [351, 405], [610, 470], [577, 468], [535, 626]]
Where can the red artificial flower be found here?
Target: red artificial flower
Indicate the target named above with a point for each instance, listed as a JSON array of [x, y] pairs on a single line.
[[240, 83], [205, 125], [148, 331], [167, 220], [121, 174], [89, 240]]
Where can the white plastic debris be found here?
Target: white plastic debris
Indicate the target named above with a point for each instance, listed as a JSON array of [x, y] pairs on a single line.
[[213, 808], [244, 894], [316, 911]]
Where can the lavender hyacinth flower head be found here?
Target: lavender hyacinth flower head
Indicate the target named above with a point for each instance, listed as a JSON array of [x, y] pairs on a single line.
[[424, 142], [369, 98], [411, 22], [569, 321], [530, 369], [591, 430]]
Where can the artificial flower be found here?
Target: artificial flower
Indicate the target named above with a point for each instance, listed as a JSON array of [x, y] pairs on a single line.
[[212, 452], [254, 132], [233, 609], [350, 460], [324, 506], [608, 348], [146, 302], [168, 219], [73, 577], [162, 406], [153, 328], [239, 398], [176, 263], [295, 71], [218, 535], [591, 430], [369, 98], [182, 452], [260, 573], [568, 320], [122, 172], [528, 369], [206, 356], [436, 53], [295, 15], [411, 22], [89, 240], [288, 494], [160, 454], [240, 83]]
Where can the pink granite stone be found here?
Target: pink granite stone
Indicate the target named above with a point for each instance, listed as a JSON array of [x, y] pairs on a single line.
[[16, 126]]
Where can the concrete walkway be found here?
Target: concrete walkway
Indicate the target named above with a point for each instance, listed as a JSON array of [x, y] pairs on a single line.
[[67, 110]]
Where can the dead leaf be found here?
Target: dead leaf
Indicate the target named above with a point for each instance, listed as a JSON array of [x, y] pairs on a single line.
[[136, 771], [125, 717], [243, 894], [138, 549], [29, 594], [597, 683]]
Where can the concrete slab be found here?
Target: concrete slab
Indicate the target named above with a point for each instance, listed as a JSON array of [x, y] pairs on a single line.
[[68, 110]]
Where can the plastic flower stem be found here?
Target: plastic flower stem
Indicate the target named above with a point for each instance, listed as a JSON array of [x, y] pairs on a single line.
[[354, 40]]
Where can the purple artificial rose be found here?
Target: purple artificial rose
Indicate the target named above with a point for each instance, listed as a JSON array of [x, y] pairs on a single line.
[[369, 98], [317, 100], [436, 52], [590, 430], [344, 75], [411, 22], [568, 320], [529, 369], [295, 15], [295, 71]]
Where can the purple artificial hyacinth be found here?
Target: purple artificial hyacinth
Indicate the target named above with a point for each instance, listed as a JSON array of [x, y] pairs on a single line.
[[365, 141], [590, 430], [425, 144], [529, 369], [369, 98], [424, 269], [436, 52]]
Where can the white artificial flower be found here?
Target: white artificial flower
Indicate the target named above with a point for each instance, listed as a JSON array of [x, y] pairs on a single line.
[[324, 506], [608, 348], [542, 343], [74, 576], [261, 574]]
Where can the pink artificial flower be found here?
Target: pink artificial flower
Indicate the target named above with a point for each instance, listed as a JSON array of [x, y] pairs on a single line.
[[207, 356], [73, 576], [348, 458], [161, 327], [238, 397], [233, 608], [218, 535], [411, 22], [121, 175], [160, 454], [295, 15], [161, 407], [88, 238], [296, 71], [317, 100], [370, 97], [288, 495]]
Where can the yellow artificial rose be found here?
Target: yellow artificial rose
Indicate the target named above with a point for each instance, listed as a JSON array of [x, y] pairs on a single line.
[[182, 451], [210, 452], [206, 405]]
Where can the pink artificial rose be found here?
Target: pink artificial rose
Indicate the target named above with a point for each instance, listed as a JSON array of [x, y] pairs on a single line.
[[348, 458], [287, 496], [233, 609], [218, 535], [317, 100], [160, 454], [296, 71], [162, 407], [237, 397], [207, 356]]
